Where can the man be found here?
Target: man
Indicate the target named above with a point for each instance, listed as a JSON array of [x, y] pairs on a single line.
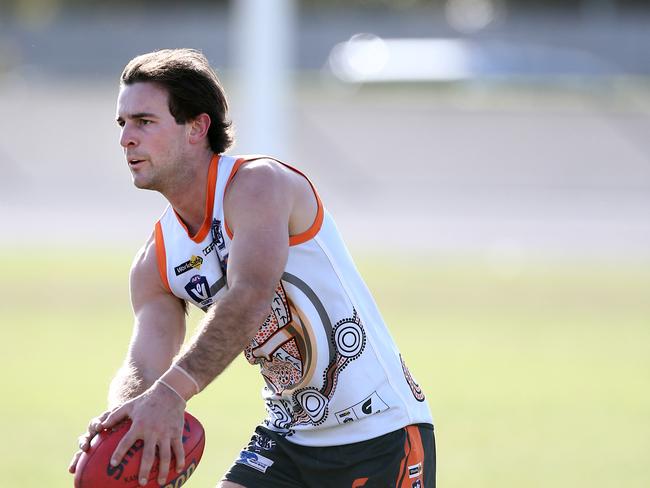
[[248, 240]]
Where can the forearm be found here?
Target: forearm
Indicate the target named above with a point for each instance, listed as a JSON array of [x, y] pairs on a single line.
[[128, 383], [228, 327]]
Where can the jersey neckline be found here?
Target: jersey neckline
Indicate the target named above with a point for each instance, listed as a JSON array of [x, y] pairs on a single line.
[[209, 203]]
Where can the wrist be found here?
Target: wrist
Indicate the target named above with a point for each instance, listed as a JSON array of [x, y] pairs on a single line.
[[180, 381], [171, 391]]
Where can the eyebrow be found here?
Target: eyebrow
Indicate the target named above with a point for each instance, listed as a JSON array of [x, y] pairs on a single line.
[[139, 115]]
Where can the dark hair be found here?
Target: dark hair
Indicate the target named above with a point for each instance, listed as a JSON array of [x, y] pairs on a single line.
[[193, 89]]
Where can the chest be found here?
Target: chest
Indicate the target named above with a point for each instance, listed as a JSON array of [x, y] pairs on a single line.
[[196, 271]]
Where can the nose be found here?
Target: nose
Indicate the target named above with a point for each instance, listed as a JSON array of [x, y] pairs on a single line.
[[127, 139]]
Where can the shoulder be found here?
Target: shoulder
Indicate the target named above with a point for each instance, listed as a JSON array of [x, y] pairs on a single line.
[[260, 181], [145, 275], [259, 174], [260, 194]]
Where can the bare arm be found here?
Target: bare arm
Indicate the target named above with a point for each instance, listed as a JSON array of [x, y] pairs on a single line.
[[257, 207], [158, 333], [158, 330]]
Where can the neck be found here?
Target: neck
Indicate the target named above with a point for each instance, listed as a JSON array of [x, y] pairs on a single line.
[[189, 196]]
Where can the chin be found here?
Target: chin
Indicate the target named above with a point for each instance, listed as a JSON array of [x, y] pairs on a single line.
[[143, 184]]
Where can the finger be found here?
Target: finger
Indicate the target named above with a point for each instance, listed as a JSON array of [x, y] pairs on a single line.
[[116, 416], [179, 453], [73, 464], [95, 424], [123, 446], [164, 452], [84, 441], [148, 455]]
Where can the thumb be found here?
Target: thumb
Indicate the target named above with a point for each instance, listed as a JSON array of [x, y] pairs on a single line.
[[116, 416], [73, 464]]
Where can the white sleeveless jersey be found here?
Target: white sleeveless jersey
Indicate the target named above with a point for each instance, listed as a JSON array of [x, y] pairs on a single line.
[[332, 371]]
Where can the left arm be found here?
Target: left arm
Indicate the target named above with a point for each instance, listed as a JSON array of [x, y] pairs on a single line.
[[257, 209], [258, 206]]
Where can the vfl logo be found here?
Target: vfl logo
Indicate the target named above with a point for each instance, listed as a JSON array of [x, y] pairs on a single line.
[[199, 289], [194, 262]]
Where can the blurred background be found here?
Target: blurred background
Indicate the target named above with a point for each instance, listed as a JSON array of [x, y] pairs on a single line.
[[488, 163]]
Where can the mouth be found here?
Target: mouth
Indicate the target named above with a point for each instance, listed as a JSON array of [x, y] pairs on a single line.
[[134, 161]]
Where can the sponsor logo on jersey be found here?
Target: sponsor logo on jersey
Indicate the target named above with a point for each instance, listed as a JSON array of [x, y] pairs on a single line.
[[199, 289], [217, 235], [263, 443], [346, 416], [255, 461], [368, 406], [209, 248], [194, 262], [415, 470]]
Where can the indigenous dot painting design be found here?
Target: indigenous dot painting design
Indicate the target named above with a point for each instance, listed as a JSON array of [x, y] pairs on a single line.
[[349, 340], [281, 346], [415, 388], [284, 349]]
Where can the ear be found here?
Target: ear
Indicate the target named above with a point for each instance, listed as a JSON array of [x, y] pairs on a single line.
[[199, 128]]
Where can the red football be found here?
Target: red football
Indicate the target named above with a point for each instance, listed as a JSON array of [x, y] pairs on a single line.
[[94, 469]]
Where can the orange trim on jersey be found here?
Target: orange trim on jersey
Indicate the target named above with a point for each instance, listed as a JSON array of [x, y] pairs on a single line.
[[209, 203], [315, 227], [161, 255], [234, 170], [413, 455], [359, 482], [320, 213]]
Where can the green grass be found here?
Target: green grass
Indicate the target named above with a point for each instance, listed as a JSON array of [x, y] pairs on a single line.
[[541, 379]]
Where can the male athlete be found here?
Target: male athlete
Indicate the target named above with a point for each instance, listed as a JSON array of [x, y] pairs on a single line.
[[248, 240]]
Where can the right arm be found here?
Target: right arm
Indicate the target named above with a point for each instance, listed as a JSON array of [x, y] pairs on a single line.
[[158, 333], [158, 330]]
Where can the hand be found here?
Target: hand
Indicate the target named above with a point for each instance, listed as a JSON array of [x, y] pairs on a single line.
[[84, 439], [157, 418]]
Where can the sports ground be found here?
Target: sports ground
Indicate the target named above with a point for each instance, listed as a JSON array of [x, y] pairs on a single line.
[[535, 380]]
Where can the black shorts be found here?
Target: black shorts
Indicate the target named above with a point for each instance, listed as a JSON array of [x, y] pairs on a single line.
[[405, 458]]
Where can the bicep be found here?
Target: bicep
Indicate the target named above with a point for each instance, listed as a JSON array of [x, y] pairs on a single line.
[[159, 319], [258, 207]]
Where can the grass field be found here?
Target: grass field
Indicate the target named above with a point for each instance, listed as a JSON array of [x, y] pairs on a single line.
[[541, 379]]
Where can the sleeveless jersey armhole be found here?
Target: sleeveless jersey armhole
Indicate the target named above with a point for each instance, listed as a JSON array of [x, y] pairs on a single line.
[[161, 255], [294, 240]]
